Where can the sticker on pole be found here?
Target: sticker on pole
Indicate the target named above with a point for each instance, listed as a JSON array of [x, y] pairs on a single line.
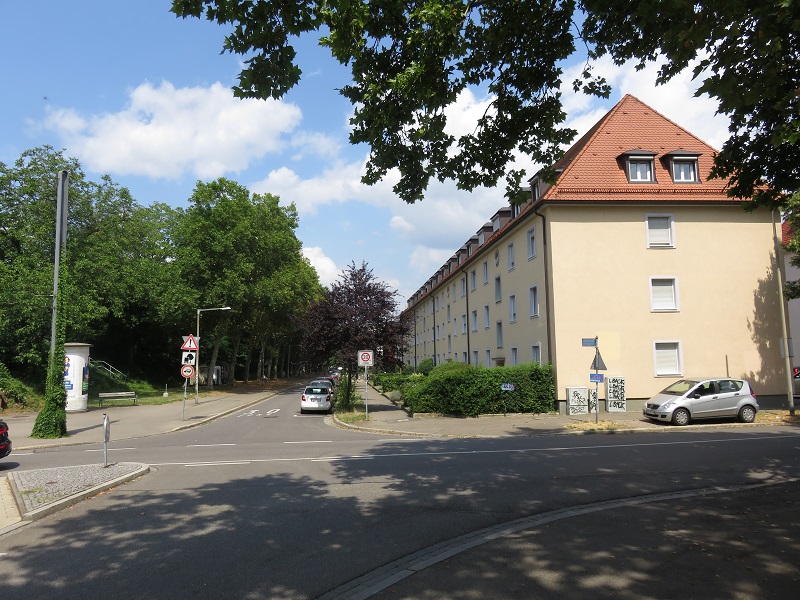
[[365, 358], [187, 371]]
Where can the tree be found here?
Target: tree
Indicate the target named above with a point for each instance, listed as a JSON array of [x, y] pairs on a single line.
[[358, 312], [411, 60]]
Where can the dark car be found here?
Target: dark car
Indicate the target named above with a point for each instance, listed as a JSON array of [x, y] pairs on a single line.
[[5, 442]]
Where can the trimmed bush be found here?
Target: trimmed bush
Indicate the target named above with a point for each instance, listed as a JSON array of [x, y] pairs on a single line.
[[461, 390]]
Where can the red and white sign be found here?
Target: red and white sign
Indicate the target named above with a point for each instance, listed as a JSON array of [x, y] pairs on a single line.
[[190, 343], [365, 358], [187, 371]]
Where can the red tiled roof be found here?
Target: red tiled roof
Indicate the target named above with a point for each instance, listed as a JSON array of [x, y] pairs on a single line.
[[593, 170]]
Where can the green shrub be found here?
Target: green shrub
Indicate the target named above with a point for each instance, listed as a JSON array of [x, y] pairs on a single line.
[[12, 392], [426, 366], [461, 390]]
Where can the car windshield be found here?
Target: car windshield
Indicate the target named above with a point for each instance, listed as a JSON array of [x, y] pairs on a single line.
[[679, 388], [316, 390]]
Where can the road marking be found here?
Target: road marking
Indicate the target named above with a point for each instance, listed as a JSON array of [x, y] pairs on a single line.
[[110, 449], [312, 442], [217, 464], [208, 445]]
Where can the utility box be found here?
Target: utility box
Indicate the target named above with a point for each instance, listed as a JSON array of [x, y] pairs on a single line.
[[76, 376], [577, 401]]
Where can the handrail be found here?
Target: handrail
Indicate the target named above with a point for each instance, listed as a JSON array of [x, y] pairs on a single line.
[[113, 371]]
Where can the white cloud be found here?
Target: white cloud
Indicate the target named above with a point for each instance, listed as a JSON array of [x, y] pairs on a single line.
[[166, 132], [326, 268]]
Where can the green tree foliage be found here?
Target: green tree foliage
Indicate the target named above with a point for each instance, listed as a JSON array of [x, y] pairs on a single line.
[[357, 313], [410, 61], [234, 249]]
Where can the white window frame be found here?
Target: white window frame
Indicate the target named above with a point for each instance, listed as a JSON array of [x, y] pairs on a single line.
[[675, 346], [474, 320], [654, 302], [464, 357], [531, 237], [684, 161], [636, 160], [536, 353], [475, 357], [488, 358], [485, 272], [449, 344], [463, 323], [514, 356], [511, 262], [463, 286], [512, 308], [486, 318], [533, 301], [499, 333], [652, 240], [473, 280], [498, 290]]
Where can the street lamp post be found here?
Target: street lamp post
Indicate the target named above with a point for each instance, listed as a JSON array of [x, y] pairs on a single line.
[[197, 353]]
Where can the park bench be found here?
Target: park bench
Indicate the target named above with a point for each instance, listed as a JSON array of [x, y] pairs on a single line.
[[117, 396]]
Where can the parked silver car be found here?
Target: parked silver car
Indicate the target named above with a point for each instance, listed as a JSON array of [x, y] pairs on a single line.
[[316, 398], [690, 399]]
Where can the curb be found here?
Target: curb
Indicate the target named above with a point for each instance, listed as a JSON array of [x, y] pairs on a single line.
[[68, 501]]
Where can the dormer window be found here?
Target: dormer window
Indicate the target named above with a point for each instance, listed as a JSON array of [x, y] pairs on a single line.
[[683, 166], [640, 169], [639, 166]]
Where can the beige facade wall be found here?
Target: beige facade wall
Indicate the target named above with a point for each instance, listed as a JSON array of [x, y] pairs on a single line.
[[727, 317]]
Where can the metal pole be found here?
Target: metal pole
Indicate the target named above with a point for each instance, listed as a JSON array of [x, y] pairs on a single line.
[[596, 385], [61, 241], [185, 385], [106, 435], [366, 384], [781, 300], [197, 361]]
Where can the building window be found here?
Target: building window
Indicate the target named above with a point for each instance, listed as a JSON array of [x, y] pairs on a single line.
[[684, 171], [533, 301], [667, 359], [498, 294], [531, 236], [463, 323], [481, 238], [511, 256], [499, 334], [488, 362], [663, 294], [463, 357], [455, 326], [474, 320], [437, 332], [660, 231], [448, 313], [449, 344], [640, 169], [536, 354], [475, 357], [512, 308], [513, 357], [473, 280], [463, 287], [485, 272], [486, 316]]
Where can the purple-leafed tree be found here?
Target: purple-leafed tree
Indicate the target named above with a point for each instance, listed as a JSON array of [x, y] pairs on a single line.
[[358, 312]]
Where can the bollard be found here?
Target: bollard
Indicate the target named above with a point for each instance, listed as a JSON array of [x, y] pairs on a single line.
[[106, 436]]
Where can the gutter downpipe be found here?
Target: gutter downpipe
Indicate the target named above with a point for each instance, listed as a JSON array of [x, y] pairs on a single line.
[[466, 288], [781, 301], [546, 284]]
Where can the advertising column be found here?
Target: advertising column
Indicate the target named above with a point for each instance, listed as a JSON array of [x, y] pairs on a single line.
[[76, 376]]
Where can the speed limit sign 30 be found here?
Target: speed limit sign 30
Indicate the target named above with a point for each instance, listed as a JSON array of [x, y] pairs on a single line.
[[365, 358]]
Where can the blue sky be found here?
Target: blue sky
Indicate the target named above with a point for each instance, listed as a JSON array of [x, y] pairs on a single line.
[[136, 93]]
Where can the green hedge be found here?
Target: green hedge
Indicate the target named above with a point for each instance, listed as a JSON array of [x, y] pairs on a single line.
[[462, 390]]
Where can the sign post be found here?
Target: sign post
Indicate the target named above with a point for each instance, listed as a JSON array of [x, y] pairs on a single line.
[[596, 377], [106, 437], [186, 371], [366, 358]]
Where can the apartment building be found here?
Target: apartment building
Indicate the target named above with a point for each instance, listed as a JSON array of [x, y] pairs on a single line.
[[633, 245]]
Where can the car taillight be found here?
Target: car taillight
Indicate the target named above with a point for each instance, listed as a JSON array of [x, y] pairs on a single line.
[[3, 429], [303, 398]]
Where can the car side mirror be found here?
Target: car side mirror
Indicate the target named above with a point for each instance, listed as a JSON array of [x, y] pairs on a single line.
[[696, 396]]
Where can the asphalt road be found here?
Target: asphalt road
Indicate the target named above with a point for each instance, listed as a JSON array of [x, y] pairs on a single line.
[[268, 503]]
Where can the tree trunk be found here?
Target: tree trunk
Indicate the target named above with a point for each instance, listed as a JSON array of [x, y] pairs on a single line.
[[235, 351], [248, 361]]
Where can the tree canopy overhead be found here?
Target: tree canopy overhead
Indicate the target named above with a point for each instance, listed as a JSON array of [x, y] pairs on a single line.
[[411, 60]]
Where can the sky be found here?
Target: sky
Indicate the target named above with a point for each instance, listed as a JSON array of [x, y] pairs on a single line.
[[134, 92]]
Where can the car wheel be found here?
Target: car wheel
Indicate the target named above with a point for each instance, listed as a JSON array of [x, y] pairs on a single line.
[[747, 414], [680, 417]]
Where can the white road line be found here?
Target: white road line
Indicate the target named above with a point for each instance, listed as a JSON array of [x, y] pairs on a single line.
[[217, 464], [207, 445], [312, 442], [110, 449]]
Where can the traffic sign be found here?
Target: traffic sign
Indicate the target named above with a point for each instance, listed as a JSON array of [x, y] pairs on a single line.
[[189, 358], [596, 377], [589, 342], [365, 358], [190, 343], [187, 371]]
